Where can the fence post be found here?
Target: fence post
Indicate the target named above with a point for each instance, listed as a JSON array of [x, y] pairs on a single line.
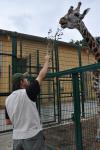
[[77, 112], [9, 77], [38, 69], [14, 53], [30, 64], [57, 81], [81, 80]]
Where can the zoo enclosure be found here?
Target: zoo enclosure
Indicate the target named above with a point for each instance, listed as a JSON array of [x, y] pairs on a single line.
[[67, 100]]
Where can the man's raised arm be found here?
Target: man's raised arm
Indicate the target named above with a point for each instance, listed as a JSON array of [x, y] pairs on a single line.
[[44, 70]]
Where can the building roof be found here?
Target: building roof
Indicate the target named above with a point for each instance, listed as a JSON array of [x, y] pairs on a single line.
[[35, 38]]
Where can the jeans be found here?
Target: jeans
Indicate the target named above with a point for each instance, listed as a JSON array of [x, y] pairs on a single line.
[[35, 143]]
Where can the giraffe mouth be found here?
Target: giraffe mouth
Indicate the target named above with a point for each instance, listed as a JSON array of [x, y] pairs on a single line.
[[62, 23], [66, 25]]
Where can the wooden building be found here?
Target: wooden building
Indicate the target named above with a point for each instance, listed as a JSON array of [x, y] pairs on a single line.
[[21, 52]]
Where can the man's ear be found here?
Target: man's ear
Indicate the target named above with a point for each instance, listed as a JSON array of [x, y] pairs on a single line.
[[21, 83]]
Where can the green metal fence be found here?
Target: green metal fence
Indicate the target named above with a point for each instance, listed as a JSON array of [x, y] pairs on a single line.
[[78, 117]]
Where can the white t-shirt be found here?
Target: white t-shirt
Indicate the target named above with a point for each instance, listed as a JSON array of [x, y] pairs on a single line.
[[23, 114]]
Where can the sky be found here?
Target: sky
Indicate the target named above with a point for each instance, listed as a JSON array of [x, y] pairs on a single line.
[[36, 17]]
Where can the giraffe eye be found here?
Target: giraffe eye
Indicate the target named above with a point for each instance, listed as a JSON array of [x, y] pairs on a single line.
[[69, 19], [76, 14]]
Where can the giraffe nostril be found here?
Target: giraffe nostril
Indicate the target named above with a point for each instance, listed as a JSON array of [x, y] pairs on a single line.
[[61, 20]]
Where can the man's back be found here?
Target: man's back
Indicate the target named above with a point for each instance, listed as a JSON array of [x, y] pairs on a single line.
[[23, 115]]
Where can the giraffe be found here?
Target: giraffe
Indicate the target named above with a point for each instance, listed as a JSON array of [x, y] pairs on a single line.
[[73, 20]]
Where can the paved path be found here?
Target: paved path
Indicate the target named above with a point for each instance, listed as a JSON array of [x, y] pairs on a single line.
[[6, 141]]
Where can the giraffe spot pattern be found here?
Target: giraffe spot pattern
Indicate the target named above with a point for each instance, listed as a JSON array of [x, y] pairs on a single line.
[[93, 44], [95, 49], [97, 54], [98, 59], [90, 44]]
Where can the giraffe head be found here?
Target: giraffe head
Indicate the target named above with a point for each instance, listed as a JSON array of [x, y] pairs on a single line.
[[72, 19]]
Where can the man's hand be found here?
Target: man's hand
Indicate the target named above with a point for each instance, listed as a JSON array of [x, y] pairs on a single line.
[[47, 57], [8, 122]]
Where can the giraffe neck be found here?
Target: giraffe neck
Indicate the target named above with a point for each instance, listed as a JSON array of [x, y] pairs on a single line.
[[91, 41]]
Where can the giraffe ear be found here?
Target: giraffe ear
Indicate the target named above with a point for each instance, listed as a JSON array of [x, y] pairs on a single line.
[[84, 13]]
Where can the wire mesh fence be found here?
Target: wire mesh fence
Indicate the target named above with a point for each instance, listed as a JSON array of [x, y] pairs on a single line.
[[79, 116]]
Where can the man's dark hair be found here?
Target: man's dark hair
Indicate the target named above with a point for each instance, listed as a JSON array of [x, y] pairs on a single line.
[[16, 86], [17, 77]]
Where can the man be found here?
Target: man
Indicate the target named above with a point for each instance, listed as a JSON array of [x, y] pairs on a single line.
[[21, 111]]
